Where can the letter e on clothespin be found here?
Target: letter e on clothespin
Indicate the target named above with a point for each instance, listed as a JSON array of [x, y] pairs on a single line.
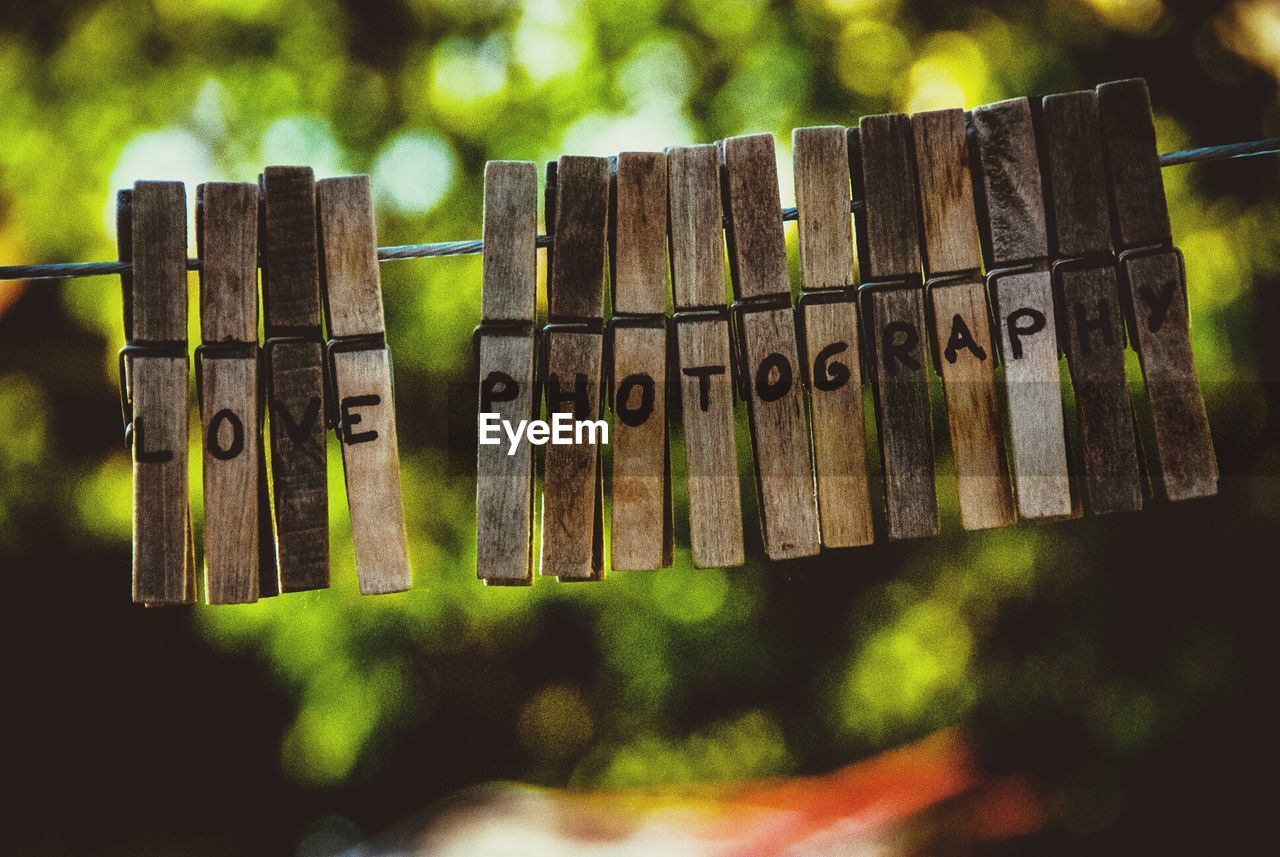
[[227, 373], [152, 234], [363, 398]]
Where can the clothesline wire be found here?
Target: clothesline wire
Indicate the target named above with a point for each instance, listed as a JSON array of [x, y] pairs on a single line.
[[68, 270]]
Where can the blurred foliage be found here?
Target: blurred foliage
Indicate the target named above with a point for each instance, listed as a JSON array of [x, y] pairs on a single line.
[[667, 677]]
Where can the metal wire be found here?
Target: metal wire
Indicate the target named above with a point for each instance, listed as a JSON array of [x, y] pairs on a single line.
[[67, 270]]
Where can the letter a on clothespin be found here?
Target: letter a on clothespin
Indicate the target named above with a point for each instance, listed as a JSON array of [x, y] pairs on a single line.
[[964, 352], [1021, 292], [1088, 291], [294, 356], [151, 226], [894, 318], [227, 373], [704, 356], [769, 352], [1155, 282], [828, 311], [505, 351], [363, 398], [641, 526], [572, 505]]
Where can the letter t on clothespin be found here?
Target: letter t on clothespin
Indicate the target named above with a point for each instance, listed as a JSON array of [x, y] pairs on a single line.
[[360, 370]]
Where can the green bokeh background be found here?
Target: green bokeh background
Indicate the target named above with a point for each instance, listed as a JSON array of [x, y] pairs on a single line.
[[1107, 657]]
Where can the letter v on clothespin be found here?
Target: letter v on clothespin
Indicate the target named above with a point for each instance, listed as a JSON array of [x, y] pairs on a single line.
[[768, 348], [573, 355], [360, 371], [1021, 291], [227, 385], [704, 356], [1155, 283], [641, 526], [893, 315], [505, 355], [831, 351], [957, 300], [151, 223], [295, 383], [1088, 291]]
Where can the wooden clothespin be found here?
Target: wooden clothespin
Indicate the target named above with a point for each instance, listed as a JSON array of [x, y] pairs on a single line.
[[227, 385], [1021, 290], [957, 300], [641, 530], [1155, 285], [893, 317], [704, 356], [362, 397], [505, 354], [769, 353], [572, 508], [1088, 291], [151, 223], [295, 382], [828, 311]]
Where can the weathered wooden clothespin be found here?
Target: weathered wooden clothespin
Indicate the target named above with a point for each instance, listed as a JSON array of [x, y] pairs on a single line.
[[294, 355], [151, 224], [505, 354], [1020, 286], [828, 313], [227, 385], [573, 355], [363, 399], [704, 356], [1155, 285], [641, 526], [1088, 292], [768, 350], [893, 317], [957, 301]]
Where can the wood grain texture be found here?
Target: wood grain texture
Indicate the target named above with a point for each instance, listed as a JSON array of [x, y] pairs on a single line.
[[228, 245], [711, 448], [641, 522], [1162, 333], [822, 201], [510, 231], [1009, 176], [1133, 163], [504, 482], [780, 435], [757, 248], [349, 257], [159, 261], [231, 438], [1037, 433], [1076, 174], [371, 463], [291, 293], [900, 372], [580, 220], [638, 234], [839, 440], [967, 358], [696, 234], [572, 538], [950, 223], [889, 191]]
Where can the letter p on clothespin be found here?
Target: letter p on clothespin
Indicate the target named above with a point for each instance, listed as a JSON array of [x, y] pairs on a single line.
[[360, 371]]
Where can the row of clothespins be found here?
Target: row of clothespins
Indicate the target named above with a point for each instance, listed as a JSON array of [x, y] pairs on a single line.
[[316, 244], [1005, 235]]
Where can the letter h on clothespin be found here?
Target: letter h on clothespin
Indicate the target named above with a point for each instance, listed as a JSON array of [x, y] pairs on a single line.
[[1155, 286], [362, 396], [151, 233], [573, 353], [768, 349]]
